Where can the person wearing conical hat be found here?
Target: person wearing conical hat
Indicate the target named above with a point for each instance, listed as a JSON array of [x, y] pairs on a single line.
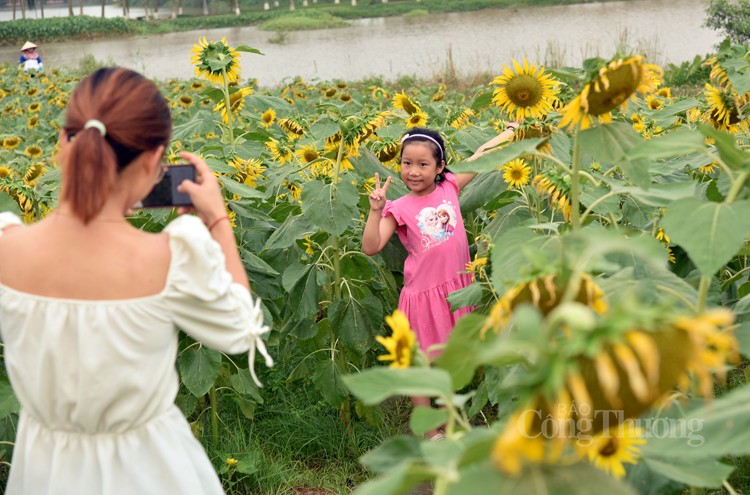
[[30, 59]]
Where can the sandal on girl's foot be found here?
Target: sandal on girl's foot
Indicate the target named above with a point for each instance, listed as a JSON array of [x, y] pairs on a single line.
[[437, 437]]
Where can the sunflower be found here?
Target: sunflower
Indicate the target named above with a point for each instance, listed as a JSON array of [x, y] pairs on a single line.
[[248, 171], [526, 92], [197, 86], [718, 73], [611, 88], [711, 334], [386, 150], [544, 293], [185, 101], [295, 190], [33, 173], [664, 92], [708, 169], [516, 173], [653, 102], [294, 129], [212, 60], [378, 93], [670, 255], [32, 91], [5, 172], [662, 236], [439, 94], [268, 118], [462, 119], [33, 121], [345, 97], [400, 100], [11, 142], [518, 444], [360, 129], [611, 449], [280, 153], [723, 107], [236, 102], [34, 107], [400, 345], [308, 245], [330, 92], [307, 153], [556, 190], [417, 119], [33, 151]]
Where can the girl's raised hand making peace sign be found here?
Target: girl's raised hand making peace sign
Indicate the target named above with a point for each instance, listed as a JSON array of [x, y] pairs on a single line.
[[377, 197]]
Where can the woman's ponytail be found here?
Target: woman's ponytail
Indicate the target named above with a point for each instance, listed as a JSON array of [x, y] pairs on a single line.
[[113, 116]]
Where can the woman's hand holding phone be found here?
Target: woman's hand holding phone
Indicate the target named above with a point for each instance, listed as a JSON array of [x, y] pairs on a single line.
[[208, 203], [205, 192]]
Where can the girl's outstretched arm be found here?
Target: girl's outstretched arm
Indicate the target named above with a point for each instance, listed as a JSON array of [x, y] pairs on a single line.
[[378, 229], [510, 128]]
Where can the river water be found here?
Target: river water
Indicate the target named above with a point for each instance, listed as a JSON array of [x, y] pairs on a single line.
[[666, 31]]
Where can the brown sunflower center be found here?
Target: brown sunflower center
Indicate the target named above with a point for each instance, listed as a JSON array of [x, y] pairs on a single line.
[[610, 448], [623, 81], [524, 90], [310, 155]]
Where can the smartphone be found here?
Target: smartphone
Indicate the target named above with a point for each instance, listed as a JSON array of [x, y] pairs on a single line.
[[165, 193]]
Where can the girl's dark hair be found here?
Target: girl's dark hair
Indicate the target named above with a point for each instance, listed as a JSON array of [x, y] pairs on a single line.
[[136, 118], [417, 134]]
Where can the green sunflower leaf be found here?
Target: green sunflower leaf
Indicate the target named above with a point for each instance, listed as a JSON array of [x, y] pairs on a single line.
[[677, 143], [301, 284], [8, 401], [481, 101], [356, 321], [327, 379], [242, 190], [726, 145], [706, 473], [576, 479], [294, 227], [424, 419], [712, 430], [199, 367], [248, 49], [377, 384], [675, 108], [711, 233], [609, 142], [330, 206]]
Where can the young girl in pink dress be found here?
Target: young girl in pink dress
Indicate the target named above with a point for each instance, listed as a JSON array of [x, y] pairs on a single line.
[[429, 224]]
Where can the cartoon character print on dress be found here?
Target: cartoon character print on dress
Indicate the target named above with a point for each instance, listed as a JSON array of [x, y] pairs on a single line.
[[436, 224]]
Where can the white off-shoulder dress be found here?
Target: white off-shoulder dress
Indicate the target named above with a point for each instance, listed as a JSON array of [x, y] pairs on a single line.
[[97, 381]]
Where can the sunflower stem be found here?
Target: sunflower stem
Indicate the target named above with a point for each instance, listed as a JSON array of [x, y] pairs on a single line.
[[228, 105], [336, 246], [214, 414], [575, 214], [703, 287], [736, 187]]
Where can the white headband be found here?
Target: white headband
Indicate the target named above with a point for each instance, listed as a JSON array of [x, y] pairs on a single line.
[[409, 136], [97, 124]]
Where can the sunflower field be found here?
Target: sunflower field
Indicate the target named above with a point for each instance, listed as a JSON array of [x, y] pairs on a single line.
[[610, 265]]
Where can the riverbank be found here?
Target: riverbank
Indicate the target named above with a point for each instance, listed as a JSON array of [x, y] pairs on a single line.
[[60, 27], [435, 47]]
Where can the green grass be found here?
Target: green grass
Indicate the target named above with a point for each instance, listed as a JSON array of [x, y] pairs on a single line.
[[303, 20], [293, 441]]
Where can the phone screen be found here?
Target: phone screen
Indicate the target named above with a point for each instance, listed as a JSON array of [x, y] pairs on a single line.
[[165, 193]]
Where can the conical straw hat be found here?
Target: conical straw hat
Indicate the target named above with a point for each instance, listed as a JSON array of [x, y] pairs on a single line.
[[28, 45]]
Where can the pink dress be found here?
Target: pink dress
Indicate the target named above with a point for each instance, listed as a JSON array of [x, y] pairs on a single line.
[[432, 231]]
